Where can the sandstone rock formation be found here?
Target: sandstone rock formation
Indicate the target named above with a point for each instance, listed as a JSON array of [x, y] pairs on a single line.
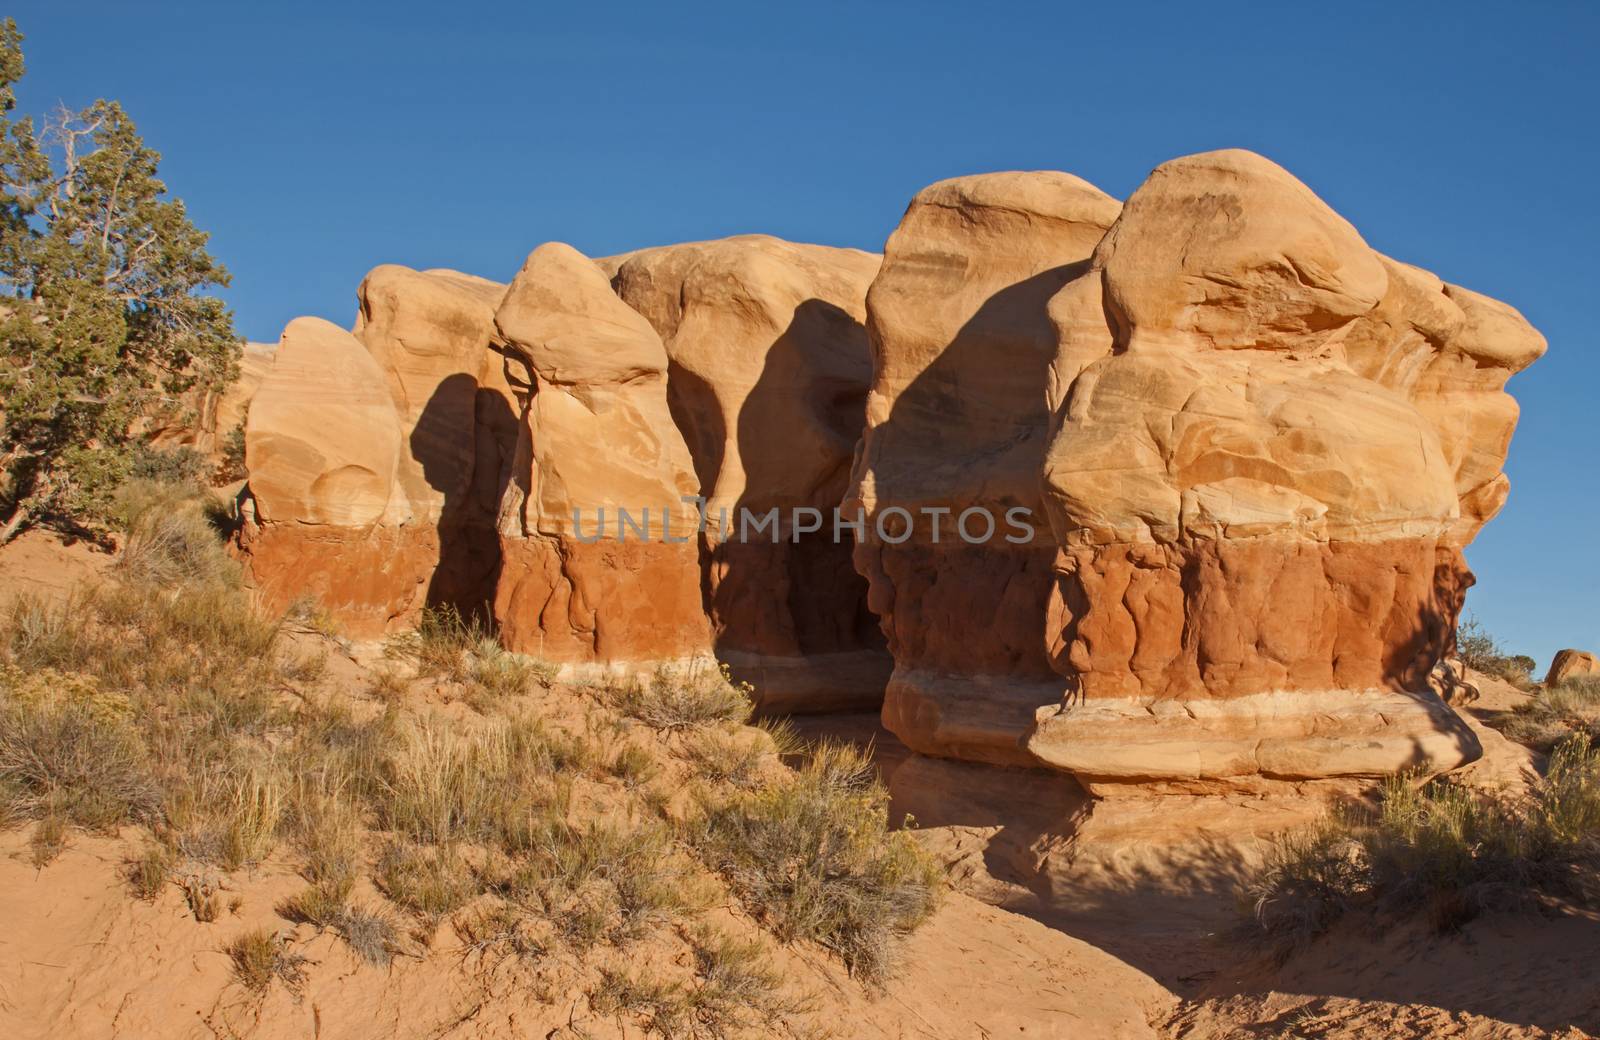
[[1170, 494], [769, 368], [377, 457], [957, 420], [1260, 447], [597, 449], [1571, 664]]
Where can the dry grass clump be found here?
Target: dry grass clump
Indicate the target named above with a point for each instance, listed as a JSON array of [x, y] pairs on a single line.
[[261, 956], [1439, 849], [151, 871], [69, 749], [603, 882], [430, 882], [1556, 713], [446, 781], [462, 650], [729, 758], [633, 764], [171, 539], [49, 839], [438, 646], [370, 932], [683, 699], [734, 992], [814, 859]]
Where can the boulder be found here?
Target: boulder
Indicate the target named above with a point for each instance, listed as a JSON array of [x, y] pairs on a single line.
[[600, 562], [957, 420], [1266, 459], [1571, 664], [769, 366]]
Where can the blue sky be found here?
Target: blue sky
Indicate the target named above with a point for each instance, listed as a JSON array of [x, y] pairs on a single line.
[[318, 140]]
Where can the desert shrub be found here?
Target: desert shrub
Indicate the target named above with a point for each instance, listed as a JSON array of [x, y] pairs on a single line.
[[170, 540], [231, 466], [503, 926], [387, 685], [633, 764], [1555, 713], [663, 1005], [604, 881], [737, 989], [682, 699], [149, 874], [180, 466], [69, 749], [494, 674], [814, 859], [730, 758], [438, 646], [1439, 849], [1481, 652], [430, 882], [370, 932], [260, 956]]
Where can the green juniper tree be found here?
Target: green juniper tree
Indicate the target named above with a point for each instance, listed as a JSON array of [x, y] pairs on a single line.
[[105, 325]]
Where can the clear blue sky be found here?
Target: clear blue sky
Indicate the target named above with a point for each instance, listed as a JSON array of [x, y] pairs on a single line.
[[316, 141]]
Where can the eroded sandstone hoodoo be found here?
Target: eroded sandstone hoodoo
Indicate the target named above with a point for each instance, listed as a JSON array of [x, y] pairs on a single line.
[[1169, 495], [769, 368], [377, 457], [577, 583], [1270, 446], [957, 420]]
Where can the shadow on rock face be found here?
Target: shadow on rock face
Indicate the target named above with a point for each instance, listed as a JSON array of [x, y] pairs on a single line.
[[464, 441]]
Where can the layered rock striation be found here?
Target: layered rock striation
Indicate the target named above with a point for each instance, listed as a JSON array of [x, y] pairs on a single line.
[[1270, 445]]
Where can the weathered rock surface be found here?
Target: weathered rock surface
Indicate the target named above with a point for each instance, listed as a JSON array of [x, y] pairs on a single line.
[[596, 437], [323, 439], [957, 419], [377, 457], [1263, 471], [1259, 446], [1571, 664], [769, 368]]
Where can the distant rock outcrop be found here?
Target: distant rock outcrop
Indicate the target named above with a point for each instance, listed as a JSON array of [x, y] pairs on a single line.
[[1571, 664]]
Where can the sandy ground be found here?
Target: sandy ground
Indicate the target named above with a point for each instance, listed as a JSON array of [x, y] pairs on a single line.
[[1071, 919]]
